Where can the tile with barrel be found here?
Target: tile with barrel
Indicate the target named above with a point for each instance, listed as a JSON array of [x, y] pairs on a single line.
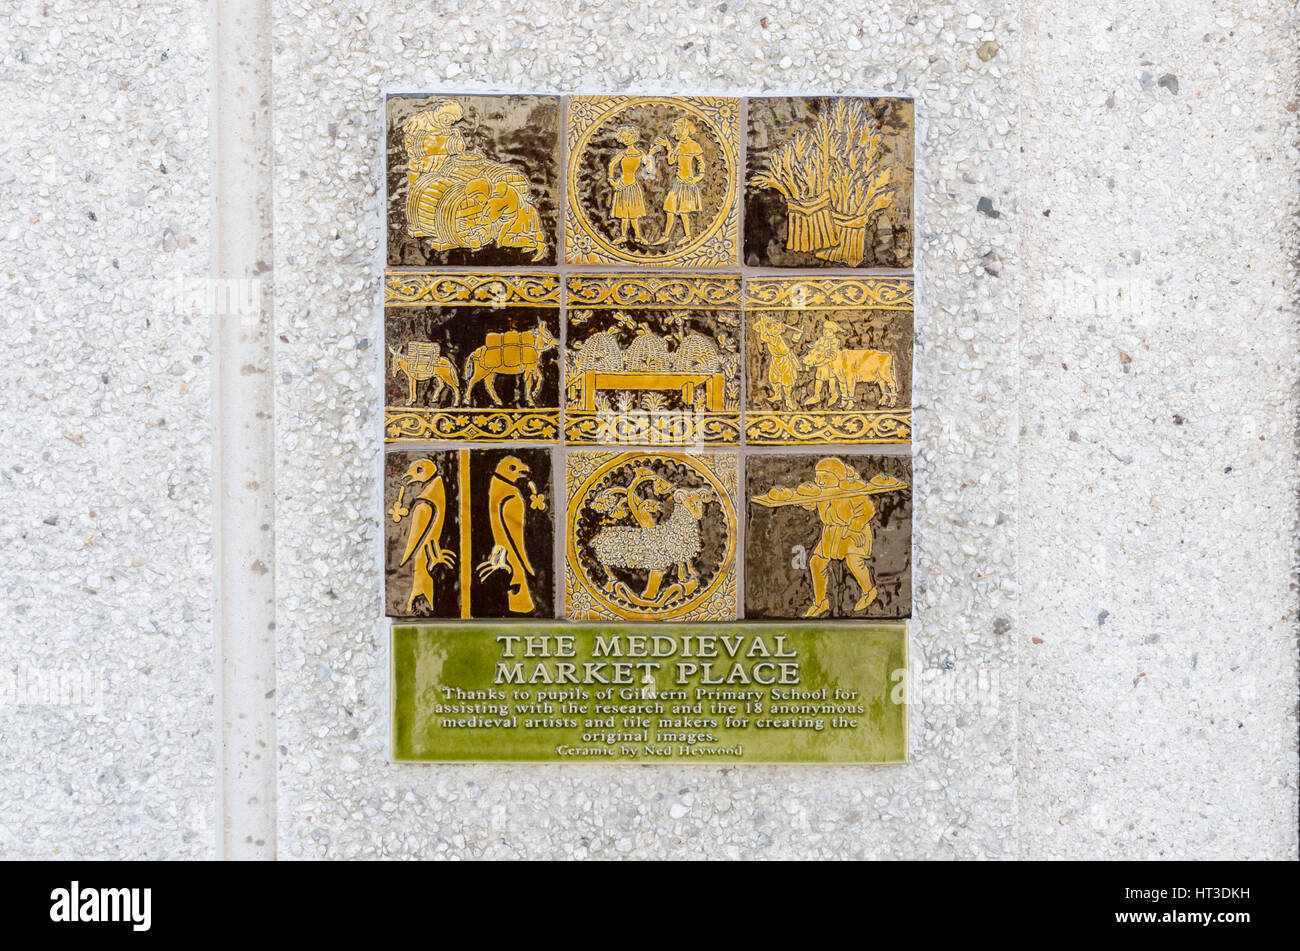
[[472, 180]]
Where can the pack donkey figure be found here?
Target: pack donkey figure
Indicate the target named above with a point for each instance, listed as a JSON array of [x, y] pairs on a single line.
[[424, 361], [513, 352]]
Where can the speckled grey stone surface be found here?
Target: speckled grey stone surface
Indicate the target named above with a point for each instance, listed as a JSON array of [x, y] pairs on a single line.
[[339, 796], [1105, 424], [1158, 473], [105, 450]]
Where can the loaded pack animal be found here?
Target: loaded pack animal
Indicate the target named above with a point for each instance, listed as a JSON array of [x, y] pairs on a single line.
[[514, 352], [424, 361]]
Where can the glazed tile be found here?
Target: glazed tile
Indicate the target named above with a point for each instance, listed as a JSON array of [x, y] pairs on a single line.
[[472, 180], [469, 533], [651, 535], [652, 359], [652, 181], [828, 535], [472, 357], [828, 183], [717, 694], [828, 360]]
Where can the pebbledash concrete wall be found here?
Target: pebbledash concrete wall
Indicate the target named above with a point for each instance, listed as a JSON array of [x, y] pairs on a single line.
[[1105, 434]]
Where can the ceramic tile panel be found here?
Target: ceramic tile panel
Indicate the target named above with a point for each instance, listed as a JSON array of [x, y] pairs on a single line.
[[829, 182], [469, 533], [653, 181], [675, 355], [651, 535], [472, 180], [828, 535], [715, 693], [472, 356], [652, 359], [828, 360]]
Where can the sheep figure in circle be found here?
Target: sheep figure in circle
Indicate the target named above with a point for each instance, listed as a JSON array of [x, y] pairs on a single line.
[[654, 547]]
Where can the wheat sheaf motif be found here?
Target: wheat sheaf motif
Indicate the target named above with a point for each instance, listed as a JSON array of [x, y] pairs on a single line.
[[835, 180]]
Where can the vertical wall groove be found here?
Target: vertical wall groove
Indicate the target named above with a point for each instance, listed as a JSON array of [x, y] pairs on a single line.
[[244, 426]]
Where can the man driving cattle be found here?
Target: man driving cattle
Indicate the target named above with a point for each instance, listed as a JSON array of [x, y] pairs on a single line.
[[844, 369]]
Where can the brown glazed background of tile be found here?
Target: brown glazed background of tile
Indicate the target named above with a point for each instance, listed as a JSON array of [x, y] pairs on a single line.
[[460, 331], [489, 597], [590, 183], [522, 131], [775, 589], [772, 121]]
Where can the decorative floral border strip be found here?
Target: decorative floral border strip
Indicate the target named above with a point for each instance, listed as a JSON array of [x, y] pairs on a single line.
[[462, 289], [478, 425], [768, 428], [698, 292], [640, 428], [829, 293]]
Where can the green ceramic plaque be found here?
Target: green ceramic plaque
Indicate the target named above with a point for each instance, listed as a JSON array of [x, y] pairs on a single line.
[[650, 693]]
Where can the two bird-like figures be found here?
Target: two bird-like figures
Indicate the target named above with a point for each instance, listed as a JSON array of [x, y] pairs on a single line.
[[428, 514]]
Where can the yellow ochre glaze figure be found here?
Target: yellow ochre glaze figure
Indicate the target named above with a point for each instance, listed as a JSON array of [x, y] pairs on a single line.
[[515, 221], [428, 512], [783, 368], [430, 139], [423, 360], [684, 196], [844, 369], [629, 198], [459, 198], [819, 355], [506, 516], [841, 499]]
